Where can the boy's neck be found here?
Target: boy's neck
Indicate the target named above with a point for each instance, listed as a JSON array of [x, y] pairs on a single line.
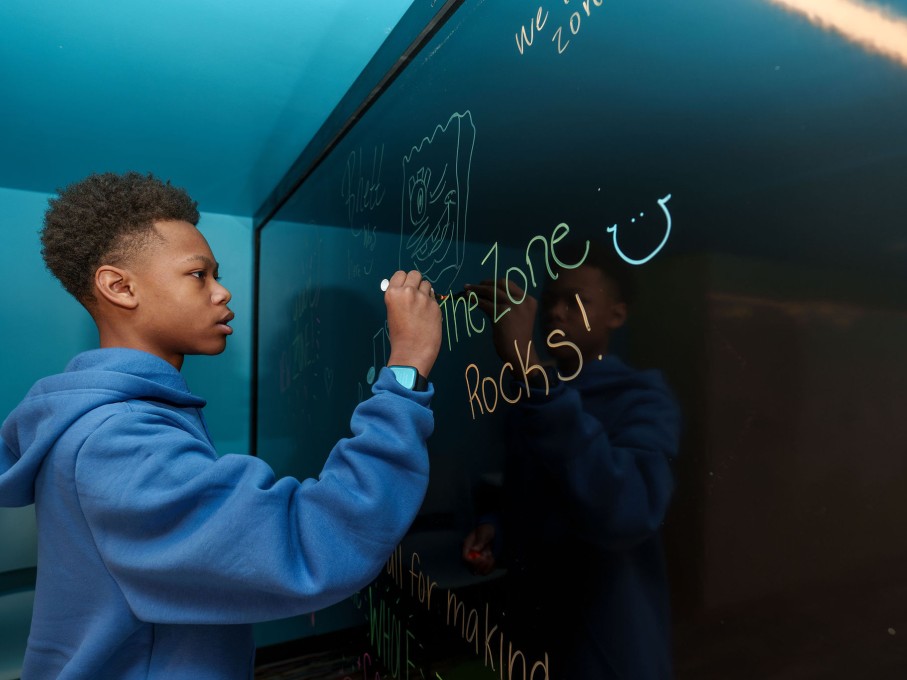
[[109, 340]]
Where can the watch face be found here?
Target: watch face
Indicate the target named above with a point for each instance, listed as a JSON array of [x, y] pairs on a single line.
[[406, 375]]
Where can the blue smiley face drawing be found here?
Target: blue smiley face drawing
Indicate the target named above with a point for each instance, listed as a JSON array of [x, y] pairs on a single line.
[[613, 230]]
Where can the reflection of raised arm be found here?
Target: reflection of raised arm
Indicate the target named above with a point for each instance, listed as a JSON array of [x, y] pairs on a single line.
[[413, 321], [512, 323]]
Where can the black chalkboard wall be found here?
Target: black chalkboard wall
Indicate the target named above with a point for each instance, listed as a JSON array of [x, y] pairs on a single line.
[[749, 159]]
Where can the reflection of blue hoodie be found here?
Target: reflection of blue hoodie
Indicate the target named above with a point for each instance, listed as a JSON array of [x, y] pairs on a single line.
[[155, 556], [588, 480]]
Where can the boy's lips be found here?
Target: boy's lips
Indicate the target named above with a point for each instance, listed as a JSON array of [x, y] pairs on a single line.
[[224, 321]]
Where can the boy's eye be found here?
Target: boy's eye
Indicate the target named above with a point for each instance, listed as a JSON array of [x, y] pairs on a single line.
[[202, 275]]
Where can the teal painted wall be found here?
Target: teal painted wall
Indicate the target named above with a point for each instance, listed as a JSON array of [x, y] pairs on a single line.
[[225, 380], [43, 327]]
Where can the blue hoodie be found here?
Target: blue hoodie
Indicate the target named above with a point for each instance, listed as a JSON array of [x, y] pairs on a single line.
[[155, 555], [588, 480]]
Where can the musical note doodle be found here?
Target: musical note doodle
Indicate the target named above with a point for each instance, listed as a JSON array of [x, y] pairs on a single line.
[[384, 338]]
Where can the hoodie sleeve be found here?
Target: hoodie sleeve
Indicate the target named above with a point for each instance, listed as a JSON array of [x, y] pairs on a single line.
[[192, 538], [617, 481]]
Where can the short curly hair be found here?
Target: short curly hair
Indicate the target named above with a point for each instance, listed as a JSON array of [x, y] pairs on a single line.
[[106, 219]]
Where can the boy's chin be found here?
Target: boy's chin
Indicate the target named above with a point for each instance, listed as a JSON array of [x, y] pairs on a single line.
[[210, 351], [563, 353]]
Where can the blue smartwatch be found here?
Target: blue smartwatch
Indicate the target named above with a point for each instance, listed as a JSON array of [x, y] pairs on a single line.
[[410, 378]]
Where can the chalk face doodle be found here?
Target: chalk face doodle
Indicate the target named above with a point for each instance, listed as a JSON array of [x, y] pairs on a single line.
[[435, 200], [652, 251]]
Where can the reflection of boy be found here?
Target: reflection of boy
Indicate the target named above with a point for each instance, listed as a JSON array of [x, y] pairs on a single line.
[[587, 482], [154, 555]]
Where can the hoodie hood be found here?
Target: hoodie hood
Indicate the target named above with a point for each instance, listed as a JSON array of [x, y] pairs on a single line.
[[92, 379]]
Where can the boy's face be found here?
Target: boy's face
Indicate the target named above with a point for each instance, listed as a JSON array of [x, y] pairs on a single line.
[[182, 309], [558, 309]]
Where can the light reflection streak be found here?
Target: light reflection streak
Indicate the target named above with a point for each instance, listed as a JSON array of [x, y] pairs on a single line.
[[874, 28]]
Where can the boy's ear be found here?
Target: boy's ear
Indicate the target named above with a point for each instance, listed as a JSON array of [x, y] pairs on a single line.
[[115, 286], [618, 315]]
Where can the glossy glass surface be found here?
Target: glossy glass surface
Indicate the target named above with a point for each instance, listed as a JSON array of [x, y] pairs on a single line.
[[747, 161]]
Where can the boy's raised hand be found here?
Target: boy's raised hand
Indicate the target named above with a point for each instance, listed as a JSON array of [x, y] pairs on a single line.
[[512, 323], [413, 321]]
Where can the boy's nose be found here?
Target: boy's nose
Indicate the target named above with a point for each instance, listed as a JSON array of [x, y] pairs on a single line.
[[221, 295], [556, 310]]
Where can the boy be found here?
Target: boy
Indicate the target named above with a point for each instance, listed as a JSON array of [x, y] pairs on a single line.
[[154, 555], [587, 481]]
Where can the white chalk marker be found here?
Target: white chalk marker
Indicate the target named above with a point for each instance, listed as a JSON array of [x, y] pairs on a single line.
[[440, 298]]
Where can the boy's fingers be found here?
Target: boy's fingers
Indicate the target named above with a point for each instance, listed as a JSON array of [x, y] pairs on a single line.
[[397, 279], [413, 278]]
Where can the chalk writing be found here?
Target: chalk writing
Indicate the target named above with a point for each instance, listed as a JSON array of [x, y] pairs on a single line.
[[537, 23], [419, 584], [435, 201], [362, 192], [466, 305], [475, 628], [613, 230], [389, 636], [582, 309], [479, 631], [484, 391], [361, 187], [548, 250], [563, 32], [397, 647], [364, 664], [303, 351], [459, 311], [394, 566], [356, 269], [305, 346]]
